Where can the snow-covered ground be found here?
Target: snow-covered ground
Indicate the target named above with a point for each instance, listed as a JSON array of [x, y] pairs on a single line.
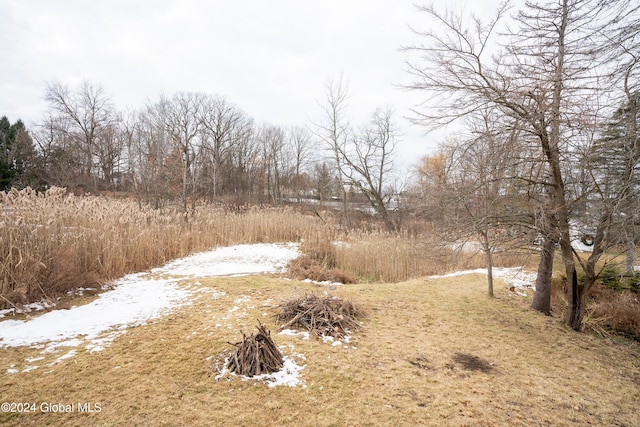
[[138, 298]]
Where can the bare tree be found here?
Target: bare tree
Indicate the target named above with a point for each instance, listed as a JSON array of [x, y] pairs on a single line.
[[276, 159], [363, 157], [243, 164], [87, 117], [223, 125], [178, 117], [482, 185], [367, 164], [131, 129], [299, 140], [549, 70], [334, 131], [61, 162], [472, 190]]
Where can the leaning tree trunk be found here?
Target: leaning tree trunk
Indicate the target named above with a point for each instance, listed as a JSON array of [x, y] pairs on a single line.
[[575, 291]]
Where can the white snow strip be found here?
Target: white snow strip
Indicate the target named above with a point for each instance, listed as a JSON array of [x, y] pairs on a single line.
[[460, 273], [67, 355], [36, 306], [293, 333], [515, 277], [233, 260], [135, 299]]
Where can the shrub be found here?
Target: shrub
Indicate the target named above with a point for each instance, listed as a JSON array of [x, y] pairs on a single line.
[[305, 267], [611, 277], [618, 311], [631, 281]]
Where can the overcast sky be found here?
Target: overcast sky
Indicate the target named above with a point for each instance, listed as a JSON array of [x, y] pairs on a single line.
[[271, 58]]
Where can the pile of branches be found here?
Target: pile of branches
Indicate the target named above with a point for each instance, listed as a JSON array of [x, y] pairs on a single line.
[[321, 316], [255, 355]]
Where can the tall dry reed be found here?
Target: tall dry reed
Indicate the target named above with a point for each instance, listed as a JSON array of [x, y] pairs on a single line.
[[381, 257], [54, 242], [384, 257]]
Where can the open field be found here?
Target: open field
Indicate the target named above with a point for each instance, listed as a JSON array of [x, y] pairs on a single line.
[[432, 352]]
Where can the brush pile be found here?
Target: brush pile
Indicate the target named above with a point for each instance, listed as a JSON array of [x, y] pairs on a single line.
[[256, 354], [321, 316]]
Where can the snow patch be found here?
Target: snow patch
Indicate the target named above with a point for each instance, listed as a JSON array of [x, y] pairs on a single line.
[[514, 277], [67, 355], [233, 261], [138, 298], [36, 306], [293, 333], [288, 375], [134, 301]]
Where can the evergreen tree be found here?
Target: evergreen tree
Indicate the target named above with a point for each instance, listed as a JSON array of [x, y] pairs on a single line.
[[18, 157]]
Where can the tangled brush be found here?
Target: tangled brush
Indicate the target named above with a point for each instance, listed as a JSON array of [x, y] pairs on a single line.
[[322, 316]]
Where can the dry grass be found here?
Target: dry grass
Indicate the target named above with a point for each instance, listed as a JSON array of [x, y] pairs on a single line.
[[380, 257], [617, 311], [414, 363], [55, 242]]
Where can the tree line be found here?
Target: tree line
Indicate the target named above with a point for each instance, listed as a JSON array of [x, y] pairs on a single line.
[[190, 147]]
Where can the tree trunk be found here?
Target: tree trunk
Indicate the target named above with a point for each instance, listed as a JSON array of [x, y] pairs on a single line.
[[489, 273], [573, 315], [542, 297], [631, 251], [486, 248]]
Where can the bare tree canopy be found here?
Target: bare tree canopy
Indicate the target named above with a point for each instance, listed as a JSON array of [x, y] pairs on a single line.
[[552, 71]]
